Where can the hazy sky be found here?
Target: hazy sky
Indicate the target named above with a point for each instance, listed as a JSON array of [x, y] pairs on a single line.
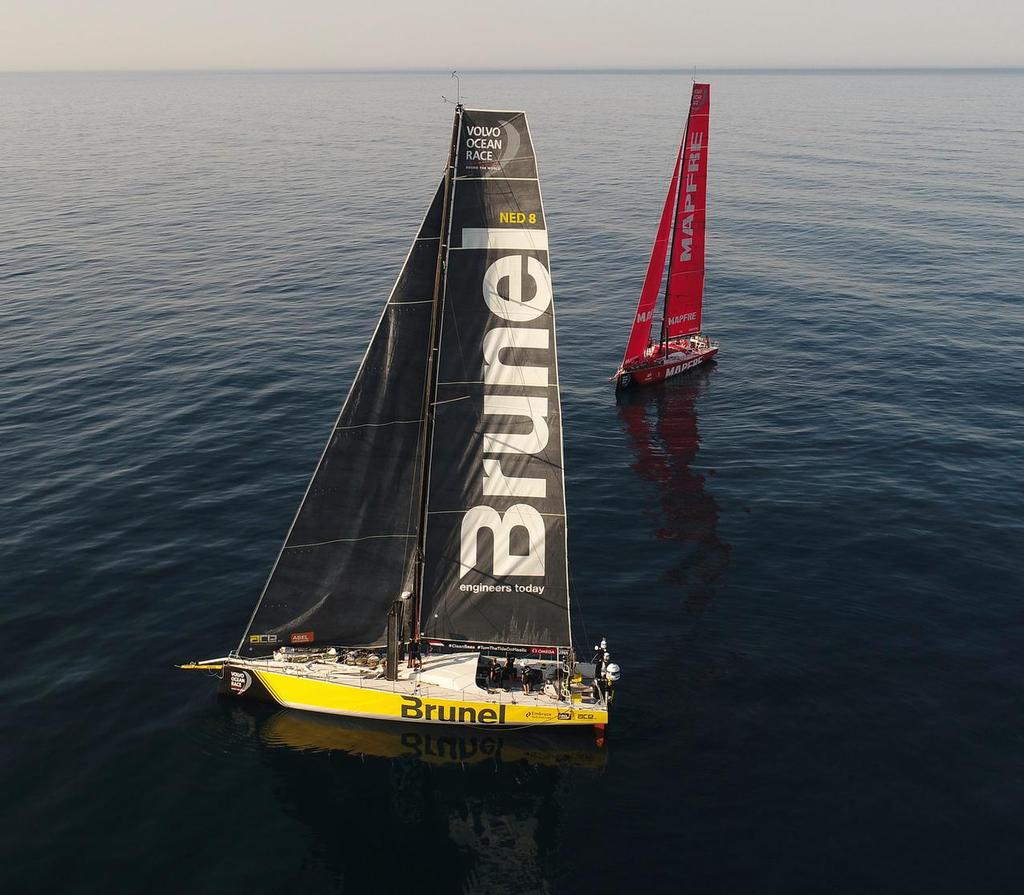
[[135, 34]]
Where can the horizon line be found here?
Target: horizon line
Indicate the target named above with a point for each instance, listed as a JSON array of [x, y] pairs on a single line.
[[687, 70]]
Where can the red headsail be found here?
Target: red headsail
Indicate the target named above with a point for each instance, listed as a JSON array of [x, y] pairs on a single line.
[[640, 335], [686, 266]]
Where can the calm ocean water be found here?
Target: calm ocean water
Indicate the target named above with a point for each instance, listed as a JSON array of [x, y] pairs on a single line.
[[807, 559]]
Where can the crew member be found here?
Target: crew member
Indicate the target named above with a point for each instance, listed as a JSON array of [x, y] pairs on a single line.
[[414, 654]]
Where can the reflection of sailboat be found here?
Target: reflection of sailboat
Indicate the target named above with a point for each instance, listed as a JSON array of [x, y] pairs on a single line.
[[432, 744], [485, 824], [662, 429]]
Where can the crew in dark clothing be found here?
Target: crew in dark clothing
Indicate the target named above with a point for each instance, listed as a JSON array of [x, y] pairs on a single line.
[[494, 674], [414, 654], [509, 671], [530, 677]]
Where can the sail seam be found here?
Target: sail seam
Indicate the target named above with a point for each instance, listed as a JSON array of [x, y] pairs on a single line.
[[425, 302], [483, 382], [374, 425], [449, 512], [344, 541]]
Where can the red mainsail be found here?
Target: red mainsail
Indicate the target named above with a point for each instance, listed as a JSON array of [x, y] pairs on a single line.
[[640, 335], [685, 292]]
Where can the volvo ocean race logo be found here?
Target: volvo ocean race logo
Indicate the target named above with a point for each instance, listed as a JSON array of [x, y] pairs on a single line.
[[490, 146], [240, 681]]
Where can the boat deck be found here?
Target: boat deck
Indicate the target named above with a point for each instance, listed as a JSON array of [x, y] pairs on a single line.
[[423, 682]]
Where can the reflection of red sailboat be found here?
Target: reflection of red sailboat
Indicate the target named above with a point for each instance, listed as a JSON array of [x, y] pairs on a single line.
[[663, 432], [680, 345]]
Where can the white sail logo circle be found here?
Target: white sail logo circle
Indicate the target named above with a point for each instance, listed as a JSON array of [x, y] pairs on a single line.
[[510, 149]]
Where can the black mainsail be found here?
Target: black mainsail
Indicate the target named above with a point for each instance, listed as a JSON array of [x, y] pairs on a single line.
[[494, 547], [459, 497]]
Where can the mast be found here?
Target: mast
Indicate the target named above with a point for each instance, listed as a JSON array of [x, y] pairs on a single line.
[[430, 384]]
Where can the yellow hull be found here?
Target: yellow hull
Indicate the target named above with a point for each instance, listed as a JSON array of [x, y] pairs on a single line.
[[334, 698]]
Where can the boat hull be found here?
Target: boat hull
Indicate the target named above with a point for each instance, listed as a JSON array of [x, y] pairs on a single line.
[[331, 697], [662, 368]]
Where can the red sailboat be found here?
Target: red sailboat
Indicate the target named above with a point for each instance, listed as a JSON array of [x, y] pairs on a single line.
[[679, 245]]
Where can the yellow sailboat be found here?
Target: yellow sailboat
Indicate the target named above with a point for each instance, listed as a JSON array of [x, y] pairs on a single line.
[[424, 577]]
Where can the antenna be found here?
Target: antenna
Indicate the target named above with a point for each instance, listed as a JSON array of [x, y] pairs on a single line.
[[458, 90]]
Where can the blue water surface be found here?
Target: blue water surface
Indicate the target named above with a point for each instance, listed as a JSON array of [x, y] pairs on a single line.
[[807, 559]]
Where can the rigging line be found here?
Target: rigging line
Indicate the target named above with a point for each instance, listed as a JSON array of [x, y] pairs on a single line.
[[344, 541]]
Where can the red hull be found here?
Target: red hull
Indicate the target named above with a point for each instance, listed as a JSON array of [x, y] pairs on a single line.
[[678, 359]]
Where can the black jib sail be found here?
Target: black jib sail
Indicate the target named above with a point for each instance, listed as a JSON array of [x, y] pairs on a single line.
[[351, 548], [494, 547]]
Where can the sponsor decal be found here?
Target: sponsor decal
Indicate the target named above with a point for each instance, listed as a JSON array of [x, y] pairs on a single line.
[[516, 217], [492, 648], [262, 638], [540, 714], [682, 368], [240, 681], [416, 709], [517, 290], [681, 318], [694, 156], [302, 637], [565, 716]]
